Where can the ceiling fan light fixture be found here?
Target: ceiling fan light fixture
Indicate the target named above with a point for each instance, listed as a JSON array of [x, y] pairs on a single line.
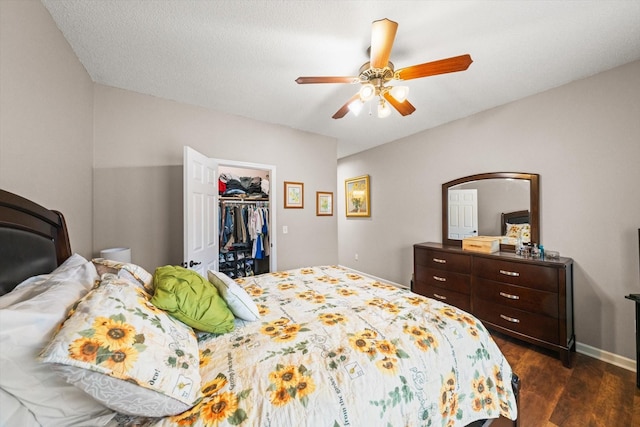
[[399, 93], [377, 74], [383, 109], [355, 107], [367, 91]]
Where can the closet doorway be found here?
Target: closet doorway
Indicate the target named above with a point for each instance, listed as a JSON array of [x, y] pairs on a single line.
[[214, 202]]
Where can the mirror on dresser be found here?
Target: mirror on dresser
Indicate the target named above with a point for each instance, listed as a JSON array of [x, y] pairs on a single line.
[[482, 204]]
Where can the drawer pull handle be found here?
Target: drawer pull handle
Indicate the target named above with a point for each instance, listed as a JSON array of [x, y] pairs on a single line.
[[440, 279], [440, 260], [506, 295], [442, 297], [510, 273], [510, 319]]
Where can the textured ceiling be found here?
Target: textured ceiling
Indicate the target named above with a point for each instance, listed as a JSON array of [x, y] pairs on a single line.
[[242, 56]]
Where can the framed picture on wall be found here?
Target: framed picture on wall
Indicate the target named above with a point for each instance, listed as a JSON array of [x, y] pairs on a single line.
[[357, 194], [293, 194], [324, 203]]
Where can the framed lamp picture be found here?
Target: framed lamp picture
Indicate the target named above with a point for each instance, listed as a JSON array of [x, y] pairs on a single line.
[[293, 195], [324, 203], [357, 194]]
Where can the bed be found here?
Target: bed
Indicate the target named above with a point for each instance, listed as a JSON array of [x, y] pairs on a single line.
[[85, 342], [515, 225]]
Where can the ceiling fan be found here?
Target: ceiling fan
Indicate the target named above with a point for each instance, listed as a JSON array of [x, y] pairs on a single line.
[[375, 75]]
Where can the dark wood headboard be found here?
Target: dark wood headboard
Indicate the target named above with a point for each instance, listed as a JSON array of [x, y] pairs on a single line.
[[516, 217], [33, 240]]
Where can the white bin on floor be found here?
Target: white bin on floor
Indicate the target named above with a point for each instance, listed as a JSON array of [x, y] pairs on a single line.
[[117, 254]]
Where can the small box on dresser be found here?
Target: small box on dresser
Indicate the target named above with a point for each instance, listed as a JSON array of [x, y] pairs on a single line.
[[482, 244], [529, 299]]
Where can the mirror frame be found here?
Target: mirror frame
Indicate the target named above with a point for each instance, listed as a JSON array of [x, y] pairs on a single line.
[[534, 203]]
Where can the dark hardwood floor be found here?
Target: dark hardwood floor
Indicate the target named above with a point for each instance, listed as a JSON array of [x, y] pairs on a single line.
[[591, 393]]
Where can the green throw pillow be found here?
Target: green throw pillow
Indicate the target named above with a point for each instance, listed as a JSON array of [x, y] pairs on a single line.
[[190, 298]]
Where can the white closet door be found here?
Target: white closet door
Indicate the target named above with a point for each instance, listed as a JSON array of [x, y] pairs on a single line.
[[200, 212]]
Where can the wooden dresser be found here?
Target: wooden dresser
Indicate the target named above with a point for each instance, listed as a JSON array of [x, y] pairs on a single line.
[[525, 298]]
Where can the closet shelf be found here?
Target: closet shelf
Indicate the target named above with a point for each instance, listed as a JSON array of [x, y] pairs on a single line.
[[243, 199]]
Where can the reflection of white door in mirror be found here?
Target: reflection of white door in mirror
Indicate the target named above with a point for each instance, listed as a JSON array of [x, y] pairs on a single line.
[[463, 213]]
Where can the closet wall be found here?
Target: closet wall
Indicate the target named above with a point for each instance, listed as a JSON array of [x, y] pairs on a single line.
[[244, 221]]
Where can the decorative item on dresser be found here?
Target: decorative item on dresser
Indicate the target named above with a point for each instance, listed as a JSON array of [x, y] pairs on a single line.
[[529, 299]]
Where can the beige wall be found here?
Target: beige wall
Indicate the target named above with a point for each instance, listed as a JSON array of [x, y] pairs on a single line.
[[139, 144], [46, 115], [584, 141]]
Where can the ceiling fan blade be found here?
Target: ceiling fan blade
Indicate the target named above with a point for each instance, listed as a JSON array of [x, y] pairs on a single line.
[[405, 107], [330, 79], [383, 32], [443, 66], [345, 108]]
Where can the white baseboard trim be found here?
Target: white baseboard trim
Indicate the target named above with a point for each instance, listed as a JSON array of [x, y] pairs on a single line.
[[605, 356]]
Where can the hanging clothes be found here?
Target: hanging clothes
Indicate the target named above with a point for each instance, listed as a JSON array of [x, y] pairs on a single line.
[[246, 223], [227, 229], [258, 248], [259, 225]]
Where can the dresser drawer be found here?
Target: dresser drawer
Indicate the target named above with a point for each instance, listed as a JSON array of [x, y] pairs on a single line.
[[525, 299], [534, 325], [457, 299], [444, 279], [517, 273], [441, 260]]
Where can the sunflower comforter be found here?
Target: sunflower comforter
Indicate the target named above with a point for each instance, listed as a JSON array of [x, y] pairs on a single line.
[[334, 348]]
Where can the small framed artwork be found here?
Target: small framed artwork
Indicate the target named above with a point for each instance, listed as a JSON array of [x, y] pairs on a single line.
[[293, 195], [357, 196], [324, 203]]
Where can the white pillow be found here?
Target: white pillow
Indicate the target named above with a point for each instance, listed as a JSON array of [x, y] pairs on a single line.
[[238, 300], [29, 319]]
